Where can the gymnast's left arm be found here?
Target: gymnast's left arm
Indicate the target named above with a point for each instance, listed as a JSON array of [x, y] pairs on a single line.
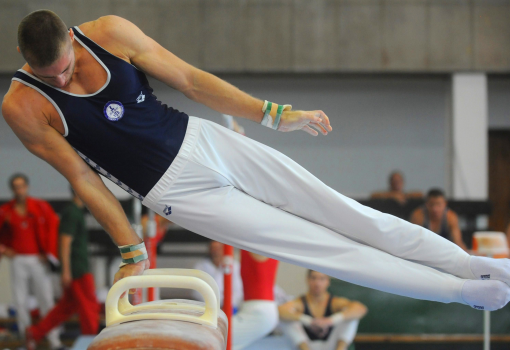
[[199, 86]]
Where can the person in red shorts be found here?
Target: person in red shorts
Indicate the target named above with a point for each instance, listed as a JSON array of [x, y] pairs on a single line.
[[77, 282], [258, 315], [28, 236]]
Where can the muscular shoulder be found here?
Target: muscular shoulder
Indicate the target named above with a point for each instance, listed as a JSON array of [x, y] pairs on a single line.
[[21, 97], [116, 34], [22, 106], [19, 101]]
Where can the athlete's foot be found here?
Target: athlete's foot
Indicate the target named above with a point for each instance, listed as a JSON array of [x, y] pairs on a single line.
[[486, 295], [490, 269]]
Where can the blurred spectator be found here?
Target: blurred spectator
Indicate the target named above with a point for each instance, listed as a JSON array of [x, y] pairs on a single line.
[[396, 190], [212, 266], [437, 217], [28, 236], [319, 320], [77, 281]]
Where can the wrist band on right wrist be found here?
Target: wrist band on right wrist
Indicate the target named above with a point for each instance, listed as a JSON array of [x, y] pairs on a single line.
[[268, 119]]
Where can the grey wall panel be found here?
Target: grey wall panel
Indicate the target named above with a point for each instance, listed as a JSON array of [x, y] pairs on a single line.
[[314, 30], [492, 35], [360, 45], [499, 102], [11, 13], [268, 39], [300, 35], [405, 28], [450, 42], [224, 36]]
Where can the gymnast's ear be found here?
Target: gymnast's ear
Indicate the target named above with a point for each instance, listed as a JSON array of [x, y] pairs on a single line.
[[71, 34]]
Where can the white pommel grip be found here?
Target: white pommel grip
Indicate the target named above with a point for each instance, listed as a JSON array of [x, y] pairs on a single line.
[[120, 310]]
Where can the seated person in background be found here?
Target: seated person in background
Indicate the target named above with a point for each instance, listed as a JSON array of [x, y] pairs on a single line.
[[437, 217], [319, 320], [212, 266], [396, 190]]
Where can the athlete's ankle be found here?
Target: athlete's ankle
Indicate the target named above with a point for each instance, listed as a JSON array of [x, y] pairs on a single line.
[[490, 269], [485, 295]]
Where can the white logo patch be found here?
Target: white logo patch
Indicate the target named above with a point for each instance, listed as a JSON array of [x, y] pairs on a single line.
[[140, 98], [113, 110]]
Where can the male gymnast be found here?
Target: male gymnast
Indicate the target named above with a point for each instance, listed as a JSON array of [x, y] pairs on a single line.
[[83, 104]]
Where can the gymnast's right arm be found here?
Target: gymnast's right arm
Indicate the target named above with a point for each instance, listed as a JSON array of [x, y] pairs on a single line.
[[33, 128]]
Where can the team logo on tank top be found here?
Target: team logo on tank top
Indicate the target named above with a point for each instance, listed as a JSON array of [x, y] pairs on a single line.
[[113, 110]]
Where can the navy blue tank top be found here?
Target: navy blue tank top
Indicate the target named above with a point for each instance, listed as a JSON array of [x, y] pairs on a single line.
[[122, 131], [328, 312]]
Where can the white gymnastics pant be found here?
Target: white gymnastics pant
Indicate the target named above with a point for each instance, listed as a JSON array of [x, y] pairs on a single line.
[[28, 270], [254, 320], [344, 331], [235, 190]]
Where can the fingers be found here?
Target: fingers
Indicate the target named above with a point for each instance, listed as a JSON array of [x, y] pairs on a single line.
[[319, 127], [322, 118], [131, 270], [309, 130], [320, 121]]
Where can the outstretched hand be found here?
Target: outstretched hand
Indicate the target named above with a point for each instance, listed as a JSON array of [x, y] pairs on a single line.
[[132, 270], [312, 122]]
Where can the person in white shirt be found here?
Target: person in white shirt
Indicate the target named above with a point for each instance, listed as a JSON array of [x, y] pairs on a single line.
[[212, 266]]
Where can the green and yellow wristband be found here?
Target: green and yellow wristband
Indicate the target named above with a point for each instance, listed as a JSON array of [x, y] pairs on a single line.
[[133, 253], [273, 114]]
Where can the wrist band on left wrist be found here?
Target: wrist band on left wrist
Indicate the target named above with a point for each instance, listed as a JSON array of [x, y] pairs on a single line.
[[133, 253]]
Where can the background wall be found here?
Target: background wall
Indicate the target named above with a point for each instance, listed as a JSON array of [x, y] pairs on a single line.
[[318, 35], [499, 102]]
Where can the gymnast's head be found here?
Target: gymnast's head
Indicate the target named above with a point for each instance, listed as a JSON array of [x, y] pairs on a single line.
[[318, 283], [46, 45]]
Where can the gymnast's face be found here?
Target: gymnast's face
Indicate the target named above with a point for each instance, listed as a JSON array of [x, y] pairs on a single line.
[[436, 207], [60, 72], [318, 283]]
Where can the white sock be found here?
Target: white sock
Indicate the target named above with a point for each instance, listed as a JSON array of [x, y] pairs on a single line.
[[490, 269], [485, 295]]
